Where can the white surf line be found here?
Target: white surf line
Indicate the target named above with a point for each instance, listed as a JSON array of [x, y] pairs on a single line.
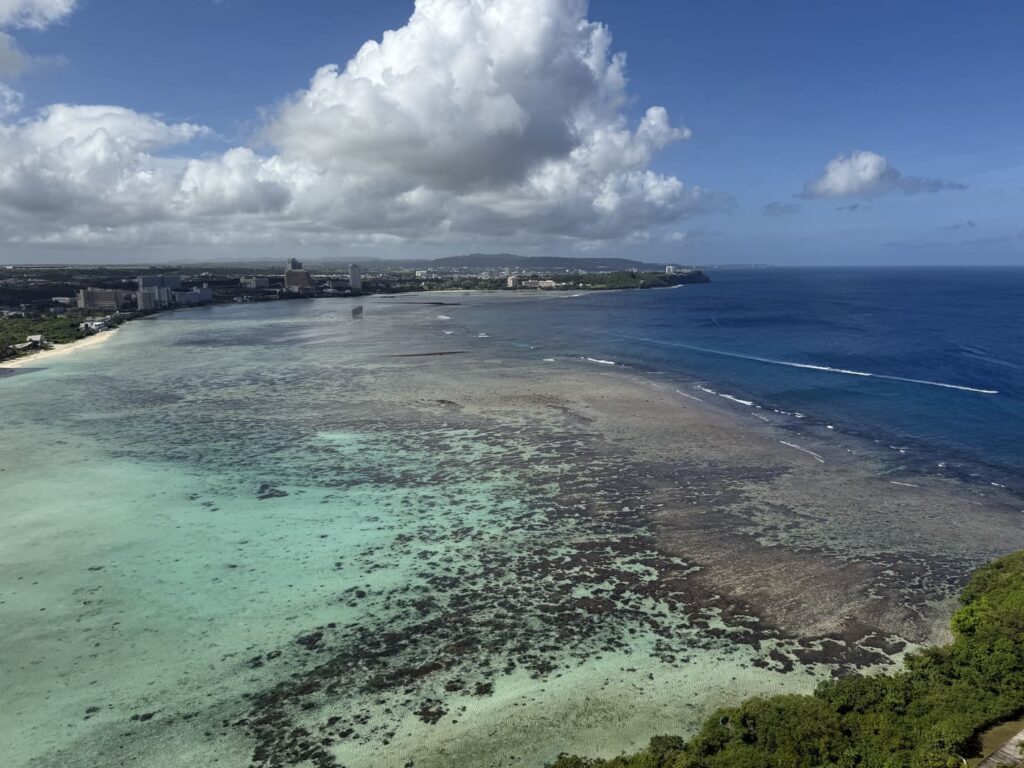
[[692, 397], [811, 367], [908, 485], [811, 453], [748, 403], [736, 399], [601, 362]]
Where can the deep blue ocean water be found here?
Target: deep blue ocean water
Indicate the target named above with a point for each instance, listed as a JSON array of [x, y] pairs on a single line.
[[945, 348]]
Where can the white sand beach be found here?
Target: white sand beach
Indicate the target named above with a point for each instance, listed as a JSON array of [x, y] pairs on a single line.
[[60, 350]]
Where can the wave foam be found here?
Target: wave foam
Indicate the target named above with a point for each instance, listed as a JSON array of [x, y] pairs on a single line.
[[692, 397], [821, 368], [723, 394], [805, 450]]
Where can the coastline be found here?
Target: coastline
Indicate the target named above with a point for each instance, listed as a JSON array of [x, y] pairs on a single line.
[[61, 350]]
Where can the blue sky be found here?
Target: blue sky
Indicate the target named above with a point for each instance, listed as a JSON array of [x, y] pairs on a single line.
[[759, 99]]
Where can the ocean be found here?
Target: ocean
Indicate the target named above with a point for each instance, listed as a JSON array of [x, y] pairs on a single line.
[[930, 361], [474, 530]]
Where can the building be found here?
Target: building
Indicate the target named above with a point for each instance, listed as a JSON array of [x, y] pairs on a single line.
[[102, 298], [32, 342], [546, 285], [156, 291], [296, 279], [256, 282], [514, 281], [147, 299], [669, 269], [94, 325], [160, 281], [193, 297], [355, 278], [152, 298]]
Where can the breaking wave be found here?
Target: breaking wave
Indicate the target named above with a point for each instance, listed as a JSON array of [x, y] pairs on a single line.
[[821, 368]]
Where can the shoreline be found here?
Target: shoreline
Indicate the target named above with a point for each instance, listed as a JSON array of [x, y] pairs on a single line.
[[60, 350]]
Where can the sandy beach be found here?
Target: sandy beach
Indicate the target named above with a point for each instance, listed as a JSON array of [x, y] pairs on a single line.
[[61, 350]]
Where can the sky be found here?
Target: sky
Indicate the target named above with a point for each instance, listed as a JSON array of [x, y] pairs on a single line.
[[790, 133]]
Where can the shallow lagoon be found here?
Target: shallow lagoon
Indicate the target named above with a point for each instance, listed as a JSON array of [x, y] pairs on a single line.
[[243, 535]]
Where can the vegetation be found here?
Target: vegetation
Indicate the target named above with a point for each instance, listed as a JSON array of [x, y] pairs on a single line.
[[615, 280], [58, 330], [923, 717]]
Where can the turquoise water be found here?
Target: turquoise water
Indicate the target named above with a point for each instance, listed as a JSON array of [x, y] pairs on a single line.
[[247, 536]]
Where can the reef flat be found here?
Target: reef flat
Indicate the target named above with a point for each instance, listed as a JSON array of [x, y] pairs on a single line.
[[288, 536]]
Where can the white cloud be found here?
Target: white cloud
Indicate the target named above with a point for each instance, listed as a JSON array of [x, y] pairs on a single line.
[[10, 101], [86, 166], [868, 174], [35, 14], [478, 118]]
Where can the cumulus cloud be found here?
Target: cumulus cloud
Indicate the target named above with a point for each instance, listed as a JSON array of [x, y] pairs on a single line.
[[34, 14], [868, 175], [86, 165], [493, 118], [780, 209]]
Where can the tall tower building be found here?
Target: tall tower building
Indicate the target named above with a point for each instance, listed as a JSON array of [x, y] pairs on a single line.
[[293, 265], [355, 278]]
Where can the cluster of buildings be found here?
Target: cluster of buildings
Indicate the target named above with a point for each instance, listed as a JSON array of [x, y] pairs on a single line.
[[163, 291], [154, 292], [299, 280], [518, 281]]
